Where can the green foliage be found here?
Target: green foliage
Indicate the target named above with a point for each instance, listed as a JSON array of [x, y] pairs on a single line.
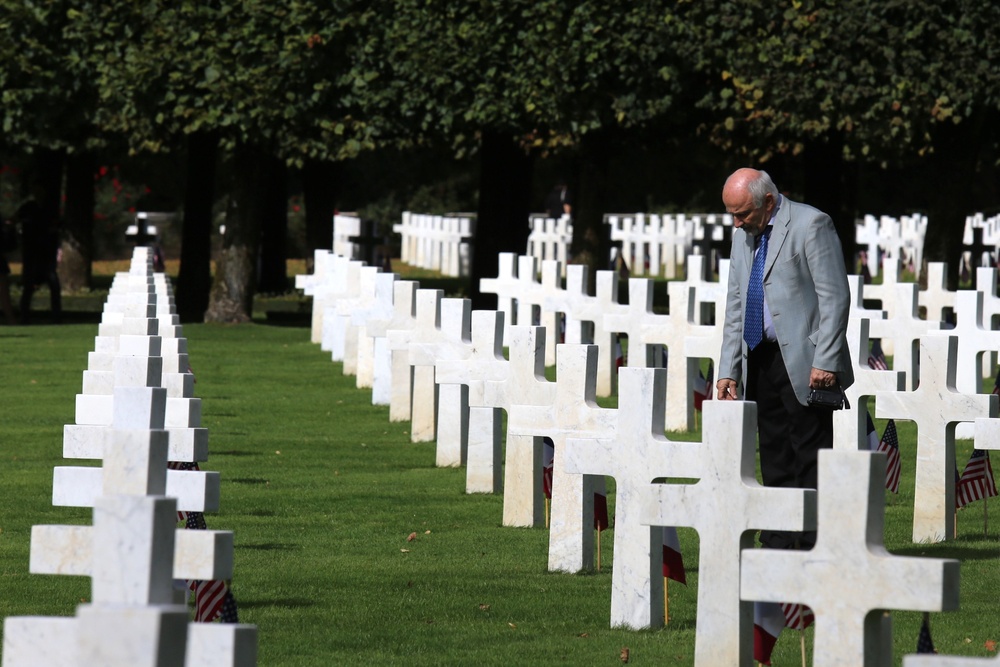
[[885, 75], [261, 72]]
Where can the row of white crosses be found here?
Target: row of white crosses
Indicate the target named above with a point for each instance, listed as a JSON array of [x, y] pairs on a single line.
[[136, 412], [550, 238], [525, 298], [898, 239], [658, 245], [437, 242], [586, 437]]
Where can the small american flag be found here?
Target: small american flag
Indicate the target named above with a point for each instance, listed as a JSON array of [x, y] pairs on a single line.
[[876, 359], [976, 482], [924, 643], [889, 444], [996, 383], [548, 454], [797, 616], [229, 613], [209, 597]]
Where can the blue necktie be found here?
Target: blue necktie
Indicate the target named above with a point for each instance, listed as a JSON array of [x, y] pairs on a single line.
[[753, 326]]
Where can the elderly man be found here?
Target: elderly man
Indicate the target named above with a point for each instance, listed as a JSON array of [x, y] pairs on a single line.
[[785, 329]]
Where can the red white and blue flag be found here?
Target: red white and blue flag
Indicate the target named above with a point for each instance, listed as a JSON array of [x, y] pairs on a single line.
[[768, 622], [977, 481]]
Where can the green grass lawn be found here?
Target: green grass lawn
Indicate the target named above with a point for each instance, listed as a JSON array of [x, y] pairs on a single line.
[[322, 491]]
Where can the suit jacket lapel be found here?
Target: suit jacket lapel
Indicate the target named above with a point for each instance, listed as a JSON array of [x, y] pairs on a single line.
[[778, 233]]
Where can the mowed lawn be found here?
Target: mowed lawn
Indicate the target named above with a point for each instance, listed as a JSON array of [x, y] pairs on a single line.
[[323, 492]]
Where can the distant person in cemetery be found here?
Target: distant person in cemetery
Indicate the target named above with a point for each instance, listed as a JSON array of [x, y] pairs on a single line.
[[40, 241], [558, 202], [8, 242], [788, 335]]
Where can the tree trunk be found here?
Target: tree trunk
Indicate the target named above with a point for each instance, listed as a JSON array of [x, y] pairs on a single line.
[[78, 233], [591, 238], [231, 299], [504, 205], [273, 277], [949, 179], [321, 183], [831, 186], [195, 278]]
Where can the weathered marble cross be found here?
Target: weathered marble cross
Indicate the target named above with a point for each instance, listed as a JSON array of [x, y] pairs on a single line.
[[403, 317], [724, 506], [850, 427], [521, 381], [905, 331], [574, 413], [378, 307], [936, 406], [485, 361], [849, 573], [637, 455]]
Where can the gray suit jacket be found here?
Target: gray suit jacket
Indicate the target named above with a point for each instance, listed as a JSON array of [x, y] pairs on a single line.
[[805, 285]]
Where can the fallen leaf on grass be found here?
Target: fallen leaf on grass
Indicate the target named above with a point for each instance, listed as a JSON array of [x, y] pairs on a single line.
[[990, 645], [512, 625], [484, 607], [405, 551], [624, 654], [427, 532], [278, 452], [584, 634], [411, 537]]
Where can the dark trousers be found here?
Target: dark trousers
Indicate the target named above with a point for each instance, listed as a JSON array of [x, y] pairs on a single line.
[[790, 435]]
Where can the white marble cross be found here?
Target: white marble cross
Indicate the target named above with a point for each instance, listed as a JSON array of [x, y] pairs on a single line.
[[849, 573], [905, 331], [413, 388], [521, 381], [341, 324], [638, 454], [484, 468], [448, 402], [334, 322], [885, 294], [724, 506], [378, 307], [585, 320], [936, 406], [404, 303], [572, 413], [704, 341], [850, 426], [937, 299]]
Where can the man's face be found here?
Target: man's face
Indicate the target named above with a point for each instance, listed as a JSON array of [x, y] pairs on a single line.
[[752, 219]]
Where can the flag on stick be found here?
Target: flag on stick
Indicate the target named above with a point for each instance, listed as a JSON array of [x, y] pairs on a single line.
[[876, 358], [976, 482], [548, 454], [673, 561], [600, 505], [889, 445], [768, 622], [797, 616]]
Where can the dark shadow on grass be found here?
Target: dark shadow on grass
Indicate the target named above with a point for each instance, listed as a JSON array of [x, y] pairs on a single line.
[[247, 480], [271, 546], [279, 602], [951, 550], [234, 452], [261, 513], [296, 320]]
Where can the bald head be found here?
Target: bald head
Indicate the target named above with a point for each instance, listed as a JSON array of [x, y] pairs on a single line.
[[750, 196]]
